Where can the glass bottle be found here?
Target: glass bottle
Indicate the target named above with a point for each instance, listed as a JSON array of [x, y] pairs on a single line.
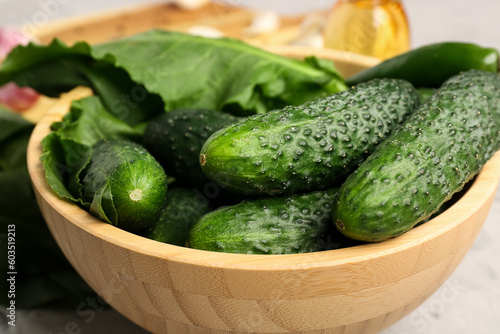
[[377, 28]]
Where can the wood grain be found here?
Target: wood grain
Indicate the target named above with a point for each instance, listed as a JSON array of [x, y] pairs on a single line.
[[112, 24]]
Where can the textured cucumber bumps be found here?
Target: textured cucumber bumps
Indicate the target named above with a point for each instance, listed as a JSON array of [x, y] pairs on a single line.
[[308, 147], [175, 139], [276, 225], [441, 147], [182, 209]]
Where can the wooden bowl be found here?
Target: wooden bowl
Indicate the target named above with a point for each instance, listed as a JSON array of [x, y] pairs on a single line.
[[170, 289]]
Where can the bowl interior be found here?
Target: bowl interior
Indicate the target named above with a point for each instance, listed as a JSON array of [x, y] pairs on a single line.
[[166, 288], [477, 197]]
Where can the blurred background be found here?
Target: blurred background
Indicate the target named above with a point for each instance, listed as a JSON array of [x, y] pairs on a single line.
[[469, 302], [430, 21]]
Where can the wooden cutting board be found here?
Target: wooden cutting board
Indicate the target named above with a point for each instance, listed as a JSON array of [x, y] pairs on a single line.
[[117, 23], [230, 20]]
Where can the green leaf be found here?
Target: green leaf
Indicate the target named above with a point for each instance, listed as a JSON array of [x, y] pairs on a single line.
[[13, 151], [57, 68], [10, 123], [323, 64], [130, 75], [55, 165], [125, 99], [89, 121], [14, 136], [334, 85], [24, 58], [192, 71], [102, 205], [67, 150]]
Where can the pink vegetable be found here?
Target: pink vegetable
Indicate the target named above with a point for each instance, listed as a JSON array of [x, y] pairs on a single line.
[[9, 38], [11, 95], [17, 98]]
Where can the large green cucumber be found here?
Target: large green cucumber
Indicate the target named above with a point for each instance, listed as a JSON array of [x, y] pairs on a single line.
[[433, 154], [175, 139], [275, 225], [308, 147], [125, 184], [182, 209]]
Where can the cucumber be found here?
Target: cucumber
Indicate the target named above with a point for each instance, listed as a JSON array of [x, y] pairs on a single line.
[[182, 209], [125, 185], [443, 145], [275, 225], [307, 147], [175, 139]]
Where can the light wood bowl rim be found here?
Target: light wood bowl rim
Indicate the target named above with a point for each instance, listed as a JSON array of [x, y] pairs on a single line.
[[485, 183]]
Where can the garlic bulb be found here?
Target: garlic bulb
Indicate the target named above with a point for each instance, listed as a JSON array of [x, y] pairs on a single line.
[[310, 31], [191, 4], [263, 22], [205, 31]]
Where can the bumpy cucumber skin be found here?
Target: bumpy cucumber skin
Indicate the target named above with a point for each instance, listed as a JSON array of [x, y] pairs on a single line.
[[182, 209], [175, 139], [275, 225], [433, 154], [126, 166], [307, 147]]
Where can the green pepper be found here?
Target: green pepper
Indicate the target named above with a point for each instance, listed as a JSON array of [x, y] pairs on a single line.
[[430, 65]]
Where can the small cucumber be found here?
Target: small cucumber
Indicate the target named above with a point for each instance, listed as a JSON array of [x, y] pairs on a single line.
[[309, 147], [125, 185], [182, 209], [175, 139], [276, 225], [443, 145]]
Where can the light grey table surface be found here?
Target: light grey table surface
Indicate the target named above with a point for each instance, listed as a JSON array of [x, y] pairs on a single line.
[[468, 303]]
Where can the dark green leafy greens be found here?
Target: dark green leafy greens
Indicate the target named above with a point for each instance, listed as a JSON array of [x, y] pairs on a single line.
[[68, 148], [44, 275], [57, 68], [219, 74], [185, 71], [10, 123]]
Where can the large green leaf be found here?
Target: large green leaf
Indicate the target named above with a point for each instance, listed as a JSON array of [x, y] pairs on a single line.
[[192, 71], [10, 123], [57, 68], [67, 150], [185, 71]]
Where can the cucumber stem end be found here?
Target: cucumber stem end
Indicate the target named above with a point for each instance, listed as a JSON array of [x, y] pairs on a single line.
[[136, 195]]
